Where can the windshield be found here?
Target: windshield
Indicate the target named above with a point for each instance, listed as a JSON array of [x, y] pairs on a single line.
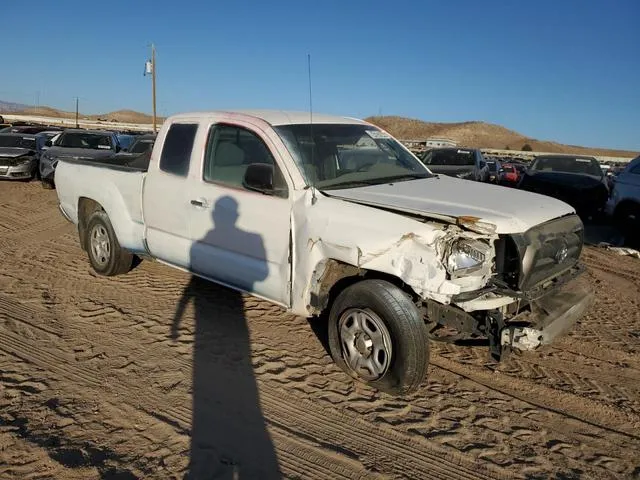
[[585, 166], [141, 146], [451, 157], [17, 141], [84, 140], [508, 169], [347, 155], [492, 166]]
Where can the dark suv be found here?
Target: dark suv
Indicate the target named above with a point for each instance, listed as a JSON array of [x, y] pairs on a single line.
[[465, 163]]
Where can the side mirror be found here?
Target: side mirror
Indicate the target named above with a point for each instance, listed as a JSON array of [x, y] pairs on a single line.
[[501, 170], [48, 143], [118, 148], [259, 178]]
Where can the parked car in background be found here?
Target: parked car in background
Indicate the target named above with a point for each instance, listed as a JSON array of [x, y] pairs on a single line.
[[510, 175], [624, 203], [41, 145], [17, 156], [78, 144], [577, 180], [495, 171], [137, 156], [125, 140], [29, 129], [340, 221], [141, 144], [465, 163]]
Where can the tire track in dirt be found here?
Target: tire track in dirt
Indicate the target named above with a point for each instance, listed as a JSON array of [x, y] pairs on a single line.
[[309, 365], [623, 424], [607, 387], [465, 411], [326, 425], [111, 317]]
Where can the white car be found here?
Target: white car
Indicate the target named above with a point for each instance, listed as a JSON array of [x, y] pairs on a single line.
[[337, 217]]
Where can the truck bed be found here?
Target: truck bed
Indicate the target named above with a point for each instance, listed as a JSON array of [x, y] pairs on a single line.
[[135, 163], [116, 185]]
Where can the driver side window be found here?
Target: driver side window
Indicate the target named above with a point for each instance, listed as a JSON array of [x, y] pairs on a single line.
[[230, 150]]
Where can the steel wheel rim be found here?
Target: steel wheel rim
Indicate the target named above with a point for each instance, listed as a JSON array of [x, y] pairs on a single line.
[[100, 245], [365, 343]]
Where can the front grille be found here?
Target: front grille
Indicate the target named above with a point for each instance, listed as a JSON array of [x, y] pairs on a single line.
[[542, 252], [11, 161]]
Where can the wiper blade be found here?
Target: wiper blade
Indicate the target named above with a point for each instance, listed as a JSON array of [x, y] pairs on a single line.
[[377, 181], [349, 183], [408, 176]]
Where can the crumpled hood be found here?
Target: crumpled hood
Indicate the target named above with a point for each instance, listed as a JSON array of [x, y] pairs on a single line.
[[510, 210], [78, 153], [14, 152]]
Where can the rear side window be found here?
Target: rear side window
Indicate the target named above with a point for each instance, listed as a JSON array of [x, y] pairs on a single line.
[[176, 151], [635, 169]]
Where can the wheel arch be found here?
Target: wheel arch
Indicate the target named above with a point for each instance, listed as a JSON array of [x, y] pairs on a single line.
[[86, 206], [333, 276]]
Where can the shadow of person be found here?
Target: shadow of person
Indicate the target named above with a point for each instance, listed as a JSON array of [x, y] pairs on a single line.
[[228, 433]]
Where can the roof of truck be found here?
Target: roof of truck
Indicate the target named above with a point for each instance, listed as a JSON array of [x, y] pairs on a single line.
[[276, 117]]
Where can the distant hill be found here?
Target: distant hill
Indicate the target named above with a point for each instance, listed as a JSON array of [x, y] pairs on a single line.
[[10, 107], [123, 116], [470, 134], [481, 135]]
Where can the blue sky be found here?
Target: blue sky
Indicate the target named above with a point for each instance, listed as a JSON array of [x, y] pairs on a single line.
[[564, 70]]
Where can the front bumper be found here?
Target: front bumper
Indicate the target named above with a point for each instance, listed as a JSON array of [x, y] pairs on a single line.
[[548, 317], [17, 172]]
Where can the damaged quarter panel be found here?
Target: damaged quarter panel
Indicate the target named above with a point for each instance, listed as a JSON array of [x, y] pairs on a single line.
[[368, 238]]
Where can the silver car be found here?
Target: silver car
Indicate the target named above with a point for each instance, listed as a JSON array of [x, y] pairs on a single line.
[[17, 156]]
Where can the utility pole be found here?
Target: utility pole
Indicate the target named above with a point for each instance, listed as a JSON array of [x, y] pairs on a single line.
[[153, 83], [77, 124]]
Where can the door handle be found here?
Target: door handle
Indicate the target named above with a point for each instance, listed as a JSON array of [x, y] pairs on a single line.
[[201, 203]]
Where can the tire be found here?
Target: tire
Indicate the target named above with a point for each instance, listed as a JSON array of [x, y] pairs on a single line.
[[106, 255], [392, 324]]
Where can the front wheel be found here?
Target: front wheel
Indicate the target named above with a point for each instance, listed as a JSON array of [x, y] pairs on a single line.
[[377, 335], [106, 255]]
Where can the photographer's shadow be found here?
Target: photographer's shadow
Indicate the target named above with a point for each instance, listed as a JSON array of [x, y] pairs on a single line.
[[228, 432]]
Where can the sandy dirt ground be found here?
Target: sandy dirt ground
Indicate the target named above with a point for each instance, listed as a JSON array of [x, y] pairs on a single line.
[[140, 375]]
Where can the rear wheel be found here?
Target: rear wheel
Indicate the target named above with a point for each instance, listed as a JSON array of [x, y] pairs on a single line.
[[377, 335], [106, 255]]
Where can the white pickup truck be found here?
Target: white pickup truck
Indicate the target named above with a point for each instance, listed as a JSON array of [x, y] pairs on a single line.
[[334, 218]]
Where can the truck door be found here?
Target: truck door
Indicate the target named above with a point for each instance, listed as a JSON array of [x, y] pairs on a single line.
[[240, 237], [164, 200]]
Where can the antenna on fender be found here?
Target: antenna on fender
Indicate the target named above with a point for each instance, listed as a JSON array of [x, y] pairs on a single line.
[[313, 180]]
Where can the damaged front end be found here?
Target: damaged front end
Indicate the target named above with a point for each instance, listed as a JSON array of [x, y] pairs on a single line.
[[534, 295], [515, 290]]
